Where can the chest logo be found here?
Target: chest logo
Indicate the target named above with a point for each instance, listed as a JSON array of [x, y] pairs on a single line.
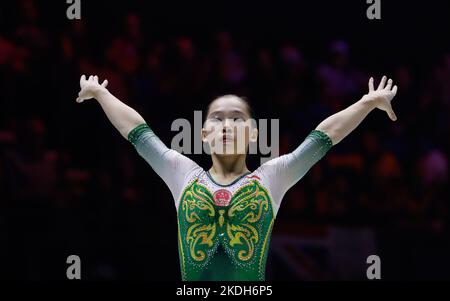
[[222, 197]]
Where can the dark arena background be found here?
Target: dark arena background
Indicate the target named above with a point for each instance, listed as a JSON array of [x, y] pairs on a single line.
[[71, 185]]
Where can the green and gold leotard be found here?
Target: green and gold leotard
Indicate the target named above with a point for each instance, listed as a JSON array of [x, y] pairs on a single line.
[[224, 230]]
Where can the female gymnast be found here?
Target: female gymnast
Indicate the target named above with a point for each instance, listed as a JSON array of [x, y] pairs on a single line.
[[226, 214]]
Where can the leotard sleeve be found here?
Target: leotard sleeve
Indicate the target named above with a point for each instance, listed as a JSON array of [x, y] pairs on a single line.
[[283, 172], [170, 165]]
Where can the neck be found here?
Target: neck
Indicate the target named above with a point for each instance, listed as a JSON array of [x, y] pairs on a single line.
[[225, 166]]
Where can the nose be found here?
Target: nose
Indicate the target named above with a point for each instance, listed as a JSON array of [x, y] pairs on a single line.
[[227, 125]]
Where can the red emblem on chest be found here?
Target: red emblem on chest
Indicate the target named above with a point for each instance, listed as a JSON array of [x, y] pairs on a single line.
[[222, 197]]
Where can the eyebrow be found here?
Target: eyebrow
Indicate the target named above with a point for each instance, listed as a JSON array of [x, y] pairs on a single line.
[[234, 111]]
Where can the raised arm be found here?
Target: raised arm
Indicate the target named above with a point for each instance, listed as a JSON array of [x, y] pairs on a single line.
[[121, 116], [283, 172], [170, 165], [339, 125]]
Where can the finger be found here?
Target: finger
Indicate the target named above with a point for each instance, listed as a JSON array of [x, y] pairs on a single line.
[[389, 84], [371, 84], [382, 82], [394, 90], [392, 115], [90, 78], [82, 78], [105, 83], [80, 97], [96, 79]]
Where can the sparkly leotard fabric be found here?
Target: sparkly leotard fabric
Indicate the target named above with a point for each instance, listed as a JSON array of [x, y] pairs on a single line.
[[224, 230]]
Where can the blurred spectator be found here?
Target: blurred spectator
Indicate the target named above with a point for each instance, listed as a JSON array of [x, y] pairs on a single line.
[[339, 80], [31, 167]]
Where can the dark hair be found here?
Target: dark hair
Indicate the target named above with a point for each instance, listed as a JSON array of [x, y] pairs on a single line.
[[244, 99]]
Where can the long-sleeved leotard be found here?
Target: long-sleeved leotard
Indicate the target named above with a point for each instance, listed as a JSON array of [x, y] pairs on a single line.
[[224, 230]]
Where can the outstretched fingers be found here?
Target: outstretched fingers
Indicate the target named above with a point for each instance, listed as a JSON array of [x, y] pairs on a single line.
[[371, 88], [394, 90], [391, 113], [389, 85], [382, 83], [89, 86]]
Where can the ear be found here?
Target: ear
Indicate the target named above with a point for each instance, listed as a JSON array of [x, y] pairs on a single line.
[[203, 135], [254, 135]]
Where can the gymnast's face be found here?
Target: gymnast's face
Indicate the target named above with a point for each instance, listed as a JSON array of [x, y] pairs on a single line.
[[229, 128]]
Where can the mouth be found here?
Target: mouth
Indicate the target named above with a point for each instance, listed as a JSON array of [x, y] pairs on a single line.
[[227, 138]]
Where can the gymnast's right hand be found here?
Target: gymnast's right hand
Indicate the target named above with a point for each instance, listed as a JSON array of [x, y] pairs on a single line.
[[90, 88]]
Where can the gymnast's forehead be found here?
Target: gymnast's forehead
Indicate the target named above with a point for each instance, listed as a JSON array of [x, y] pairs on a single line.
[[228, 104]]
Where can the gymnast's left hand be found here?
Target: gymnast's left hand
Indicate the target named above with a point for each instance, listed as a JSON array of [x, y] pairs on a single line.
[[381, 97]]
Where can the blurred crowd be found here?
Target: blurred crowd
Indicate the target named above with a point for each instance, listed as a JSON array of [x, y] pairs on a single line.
[[65, 169]]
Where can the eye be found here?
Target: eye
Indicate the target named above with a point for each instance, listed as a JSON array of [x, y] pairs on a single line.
[[238, 119], [215, 119]]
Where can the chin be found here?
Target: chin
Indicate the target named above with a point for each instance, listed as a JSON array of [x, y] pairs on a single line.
[[229, 154]]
